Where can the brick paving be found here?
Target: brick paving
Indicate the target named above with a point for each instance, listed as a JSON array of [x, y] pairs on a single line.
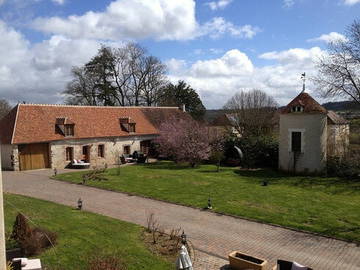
[[213, 235]]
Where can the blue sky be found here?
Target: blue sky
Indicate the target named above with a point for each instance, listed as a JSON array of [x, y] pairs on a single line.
[[218, 46]]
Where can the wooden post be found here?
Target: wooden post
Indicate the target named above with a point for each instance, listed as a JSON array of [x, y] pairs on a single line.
[[2, 224]]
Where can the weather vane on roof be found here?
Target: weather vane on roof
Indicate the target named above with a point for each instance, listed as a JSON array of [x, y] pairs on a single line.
[[303, 77]]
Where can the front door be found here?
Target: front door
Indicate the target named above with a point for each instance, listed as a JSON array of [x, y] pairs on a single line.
[[86, 154], [145, 146]]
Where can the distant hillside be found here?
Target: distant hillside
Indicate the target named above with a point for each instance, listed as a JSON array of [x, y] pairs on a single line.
[[342, 106]]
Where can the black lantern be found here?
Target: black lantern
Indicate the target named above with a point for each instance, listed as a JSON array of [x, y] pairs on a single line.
[[79, 203], [183, 238]]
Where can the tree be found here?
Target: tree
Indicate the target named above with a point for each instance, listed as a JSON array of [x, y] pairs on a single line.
[[118, 77], [217, 142], [252, 112], [182, 94], [184, 141], [4, 108], [339, 69]]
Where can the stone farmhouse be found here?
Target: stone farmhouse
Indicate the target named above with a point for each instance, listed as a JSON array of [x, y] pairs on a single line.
[[309, 134], [52, 136]]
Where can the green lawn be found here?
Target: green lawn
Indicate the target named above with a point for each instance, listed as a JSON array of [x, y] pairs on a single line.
[[329, 206], [82, 235]]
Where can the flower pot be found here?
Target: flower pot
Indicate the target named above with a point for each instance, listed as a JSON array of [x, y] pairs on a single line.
[[241, 261]]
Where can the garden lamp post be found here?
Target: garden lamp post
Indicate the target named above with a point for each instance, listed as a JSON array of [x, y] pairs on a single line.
[[79, 204], [183, 238], [209, 203]]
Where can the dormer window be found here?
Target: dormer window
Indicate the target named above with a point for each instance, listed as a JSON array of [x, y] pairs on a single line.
[[131, 127], [297, 109], [69, 130], [65, 127], [128, 125]]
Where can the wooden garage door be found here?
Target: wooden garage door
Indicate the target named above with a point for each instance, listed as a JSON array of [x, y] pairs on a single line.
[[34, 156]]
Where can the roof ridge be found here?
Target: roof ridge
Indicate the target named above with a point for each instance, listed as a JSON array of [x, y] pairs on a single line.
[[90, 106]]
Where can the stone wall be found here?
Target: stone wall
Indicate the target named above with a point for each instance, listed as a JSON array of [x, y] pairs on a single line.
[[338, 140], [113, 149], [312, 158]]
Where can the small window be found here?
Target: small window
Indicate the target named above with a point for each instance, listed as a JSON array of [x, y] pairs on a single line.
[[101, 150], [297, 109], [69, 130], [69, 153], [127, 150], [132, 127], [296, 141]]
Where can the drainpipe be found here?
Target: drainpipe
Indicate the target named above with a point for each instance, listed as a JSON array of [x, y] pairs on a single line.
[[2, 224]]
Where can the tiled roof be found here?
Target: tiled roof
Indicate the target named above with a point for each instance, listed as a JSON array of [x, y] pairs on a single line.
[[336, 119], [36, 123], [305, 100], [157, 115]]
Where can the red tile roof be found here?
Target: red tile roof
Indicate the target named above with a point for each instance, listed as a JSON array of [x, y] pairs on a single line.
[[304, 99], [336, 119], [36, 123]]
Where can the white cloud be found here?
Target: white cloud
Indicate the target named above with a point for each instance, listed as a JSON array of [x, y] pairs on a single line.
[[59, 2], [2, 2], [218, 26], [128, 19], [221, 4], [288, 3], [218, 79], [329, 38], [351, 2], [232, 63], [141, 19], [39, 72]]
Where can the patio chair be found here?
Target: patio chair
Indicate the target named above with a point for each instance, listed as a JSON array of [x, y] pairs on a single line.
[[286, 265], [79, 164], [141, 159]]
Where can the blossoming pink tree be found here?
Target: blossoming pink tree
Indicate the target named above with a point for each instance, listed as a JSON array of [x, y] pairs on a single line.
[[184, 141]]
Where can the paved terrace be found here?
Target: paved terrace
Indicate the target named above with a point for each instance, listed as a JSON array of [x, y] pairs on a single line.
[[213, 235]]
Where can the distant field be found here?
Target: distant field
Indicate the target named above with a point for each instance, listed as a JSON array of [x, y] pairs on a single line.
[[329, 206]]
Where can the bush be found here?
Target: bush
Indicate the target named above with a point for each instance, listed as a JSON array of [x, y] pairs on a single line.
[[31, 240], [348, 167], [106, 263], [258, 152]]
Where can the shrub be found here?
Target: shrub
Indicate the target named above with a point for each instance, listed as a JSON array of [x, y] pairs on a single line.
[[348, 167], [257, 152], [106, 263], [31, 240]]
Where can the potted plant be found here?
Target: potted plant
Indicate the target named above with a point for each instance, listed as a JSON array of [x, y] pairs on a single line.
[[241, 261]]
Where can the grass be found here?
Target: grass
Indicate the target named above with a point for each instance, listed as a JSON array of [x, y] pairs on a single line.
[[82, 235], [329, 206]]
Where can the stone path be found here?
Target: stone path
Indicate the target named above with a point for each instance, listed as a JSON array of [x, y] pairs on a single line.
[[213, 235]]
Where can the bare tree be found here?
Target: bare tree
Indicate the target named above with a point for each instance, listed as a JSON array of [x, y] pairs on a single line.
[[339, 69], [81, 90], [4, 108], [251, 112], [118, 77]]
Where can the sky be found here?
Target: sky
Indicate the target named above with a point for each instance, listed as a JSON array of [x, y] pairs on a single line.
[[219, 47]]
